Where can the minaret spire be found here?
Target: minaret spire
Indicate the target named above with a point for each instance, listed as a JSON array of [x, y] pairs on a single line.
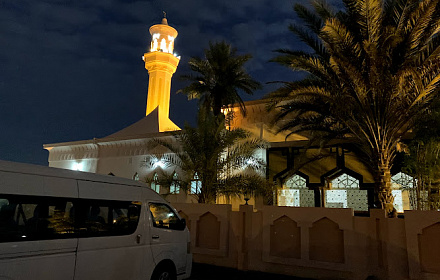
[[161, 64]]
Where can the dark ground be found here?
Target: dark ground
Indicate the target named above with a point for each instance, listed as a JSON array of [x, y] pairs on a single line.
[[210, 272]]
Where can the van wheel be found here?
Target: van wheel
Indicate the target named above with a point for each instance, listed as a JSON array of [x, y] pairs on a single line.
[[163, 273]]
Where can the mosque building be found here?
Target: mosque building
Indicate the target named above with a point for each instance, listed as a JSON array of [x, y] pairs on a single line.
[[338, 180]]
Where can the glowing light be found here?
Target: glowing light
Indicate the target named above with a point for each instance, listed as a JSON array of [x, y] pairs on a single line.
[[154, 45], [163, 45], [224, 110], [158, 163], [170, 47], [77, 166]]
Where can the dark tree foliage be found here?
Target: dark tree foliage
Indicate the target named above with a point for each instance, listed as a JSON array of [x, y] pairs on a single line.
[[374, 70], [219, 78], [224, 160]]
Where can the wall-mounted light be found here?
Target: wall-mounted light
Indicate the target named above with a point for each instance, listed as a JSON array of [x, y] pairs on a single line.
[[158, 163], [77, 166]]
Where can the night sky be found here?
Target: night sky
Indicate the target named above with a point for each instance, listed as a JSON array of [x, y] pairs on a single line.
[[72, 70]]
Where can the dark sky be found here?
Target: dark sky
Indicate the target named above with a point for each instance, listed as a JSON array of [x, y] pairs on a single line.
[[72, 70]]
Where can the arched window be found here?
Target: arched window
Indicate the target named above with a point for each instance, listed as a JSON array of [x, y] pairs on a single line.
[[344, 192], [163, 45], [136, 176], [345, 181], [296, 182], [155, 183], [405, 192], [296, 193], [196, 184], [174, 187]]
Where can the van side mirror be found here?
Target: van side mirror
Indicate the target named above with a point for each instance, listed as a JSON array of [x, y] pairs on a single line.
[[182, 224]]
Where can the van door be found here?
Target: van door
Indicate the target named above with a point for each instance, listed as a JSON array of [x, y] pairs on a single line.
[[112, 244], [37, 239], [168, 236]]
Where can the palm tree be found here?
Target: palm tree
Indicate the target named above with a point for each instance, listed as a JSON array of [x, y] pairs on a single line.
[[423, 160], [213, 153], [219, 78], [374, 70]]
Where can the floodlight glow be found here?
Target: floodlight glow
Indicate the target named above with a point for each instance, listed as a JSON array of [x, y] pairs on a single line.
[[154, 46], [158, 163], [170, 47], [77, 166]]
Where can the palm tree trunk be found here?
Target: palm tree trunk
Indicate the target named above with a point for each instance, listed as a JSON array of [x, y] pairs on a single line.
[[384, 193]]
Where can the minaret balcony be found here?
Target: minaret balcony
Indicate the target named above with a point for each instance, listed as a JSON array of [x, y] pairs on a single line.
[[158, 60]]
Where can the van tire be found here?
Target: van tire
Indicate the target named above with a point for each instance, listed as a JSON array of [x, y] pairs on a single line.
[[164, 272]]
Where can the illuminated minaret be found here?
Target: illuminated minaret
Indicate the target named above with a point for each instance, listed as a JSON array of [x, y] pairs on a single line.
[[161, 64]]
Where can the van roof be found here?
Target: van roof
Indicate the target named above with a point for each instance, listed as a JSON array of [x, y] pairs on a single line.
[[16, 167]]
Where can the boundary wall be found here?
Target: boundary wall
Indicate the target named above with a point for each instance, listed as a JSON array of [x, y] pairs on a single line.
[[317, 243]]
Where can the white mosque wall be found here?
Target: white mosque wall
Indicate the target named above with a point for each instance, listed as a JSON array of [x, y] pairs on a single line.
[[130, 159]]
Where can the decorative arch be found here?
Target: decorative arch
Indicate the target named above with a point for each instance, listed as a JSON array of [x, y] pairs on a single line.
[[196, 184], [208, 232], [285, 238], [296, 181], [296, 193], [326, 241], [155, 186], [344, 181], [404, 190], [429, 248], [344, 190], [174, 186]]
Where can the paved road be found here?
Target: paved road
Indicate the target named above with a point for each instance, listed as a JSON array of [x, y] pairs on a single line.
[[209, 272]]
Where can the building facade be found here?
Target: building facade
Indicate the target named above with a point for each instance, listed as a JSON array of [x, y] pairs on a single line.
[[335, 178]]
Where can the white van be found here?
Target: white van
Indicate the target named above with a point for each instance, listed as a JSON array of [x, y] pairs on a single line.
[[69, 225]]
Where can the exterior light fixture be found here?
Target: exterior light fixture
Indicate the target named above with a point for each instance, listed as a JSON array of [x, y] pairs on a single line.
[[158, 163], [77, 166]]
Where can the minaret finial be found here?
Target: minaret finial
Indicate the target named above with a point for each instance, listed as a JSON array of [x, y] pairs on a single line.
[[164, 20]]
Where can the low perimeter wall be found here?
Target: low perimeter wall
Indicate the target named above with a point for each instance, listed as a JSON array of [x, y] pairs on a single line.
[[318, 243]]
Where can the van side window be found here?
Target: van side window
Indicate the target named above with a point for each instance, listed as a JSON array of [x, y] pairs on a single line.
[[25, 218], [34, 218], [164, 217], [104, 218]]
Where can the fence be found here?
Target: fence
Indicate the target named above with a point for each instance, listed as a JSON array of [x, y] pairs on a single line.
[[316, 242]]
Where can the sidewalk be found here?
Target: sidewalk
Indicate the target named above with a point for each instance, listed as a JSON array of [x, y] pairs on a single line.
[[210, 272]]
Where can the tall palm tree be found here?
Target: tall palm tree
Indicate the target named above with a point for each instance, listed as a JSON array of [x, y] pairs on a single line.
[[373, 71], [219, 78], [423, 160], [213, 153]]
